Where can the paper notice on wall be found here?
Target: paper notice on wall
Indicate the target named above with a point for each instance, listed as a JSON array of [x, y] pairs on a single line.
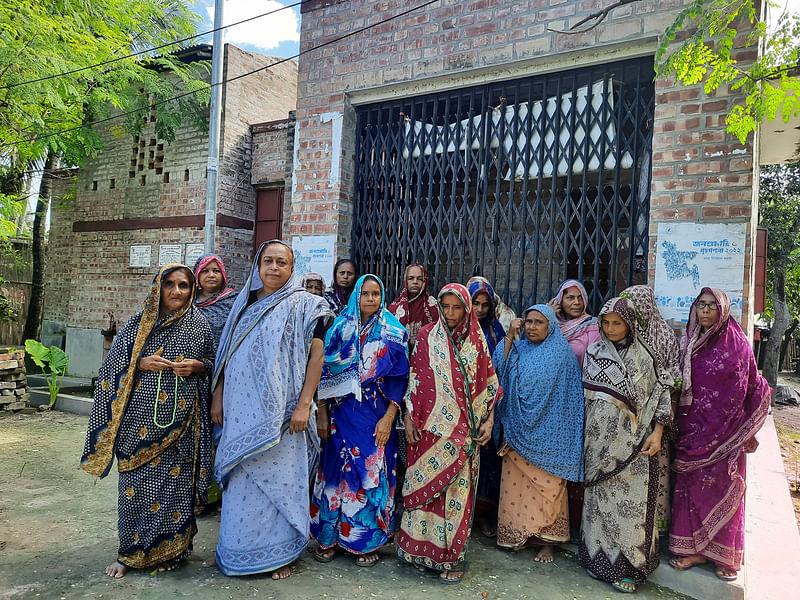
[[314, 254], [193, 252], [140, 256], [691, 256], [170, 253]]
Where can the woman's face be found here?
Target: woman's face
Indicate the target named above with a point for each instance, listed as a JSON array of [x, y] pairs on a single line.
[[572, 303], [707, 310], [370, 300], [175, 291], [415, 279], [275, 267], [346, 275], [314, 286], [614, 327], [481, 305], [453, 311], [536, 326], [210, 278]]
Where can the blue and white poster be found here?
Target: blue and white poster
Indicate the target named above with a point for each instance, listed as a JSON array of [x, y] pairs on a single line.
[[314, 254], [691, 256]]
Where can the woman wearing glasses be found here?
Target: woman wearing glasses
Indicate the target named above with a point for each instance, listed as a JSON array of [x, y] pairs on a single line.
[[723, 403]]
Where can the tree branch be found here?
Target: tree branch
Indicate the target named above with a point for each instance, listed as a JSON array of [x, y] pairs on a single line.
[[598, 17]]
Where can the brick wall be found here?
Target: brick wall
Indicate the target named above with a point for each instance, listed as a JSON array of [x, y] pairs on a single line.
[[272, 148], [88, 272], [452, 44]]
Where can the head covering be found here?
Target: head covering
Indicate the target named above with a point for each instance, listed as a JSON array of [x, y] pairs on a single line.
[[201, 264], [216, 307], [116, 379], [490, 324], [357, 353], [415, 312], [542, 409], [655, 333], [310, 276], [452, 388], [570, 327], [336, 295], [505, 314]]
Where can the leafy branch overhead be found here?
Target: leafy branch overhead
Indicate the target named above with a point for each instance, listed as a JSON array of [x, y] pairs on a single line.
[[716, 42]]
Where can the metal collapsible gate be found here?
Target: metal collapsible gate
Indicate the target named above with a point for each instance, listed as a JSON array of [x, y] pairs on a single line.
[[526, 182]]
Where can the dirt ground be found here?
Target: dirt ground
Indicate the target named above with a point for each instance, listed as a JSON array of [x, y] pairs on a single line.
[[58, 532], [787, 424]]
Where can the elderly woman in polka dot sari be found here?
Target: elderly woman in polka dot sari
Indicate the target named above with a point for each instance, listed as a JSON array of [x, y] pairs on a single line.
[[151, 413]]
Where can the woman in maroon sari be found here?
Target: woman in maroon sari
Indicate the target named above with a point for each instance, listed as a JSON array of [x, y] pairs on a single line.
[[723, 403]]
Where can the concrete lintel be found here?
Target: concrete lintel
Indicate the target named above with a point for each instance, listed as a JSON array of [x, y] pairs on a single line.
[[540, 65]]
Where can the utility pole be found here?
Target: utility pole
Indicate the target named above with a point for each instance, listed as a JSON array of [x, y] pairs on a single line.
[[213, 131]]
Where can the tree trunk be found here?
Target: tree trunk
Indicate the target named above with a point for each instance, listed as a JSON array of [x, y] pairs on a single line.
[[787, 337], [33, 324], [779, 326]]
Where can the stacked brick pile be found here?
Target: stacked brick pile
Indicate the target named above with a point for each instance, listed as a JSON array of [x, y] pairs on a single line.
[[14, 390]]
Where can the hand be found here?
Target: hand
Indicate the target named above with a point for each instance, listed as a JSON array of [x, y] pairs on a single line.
[[216, 404], [383, 429], [188, 366], [412, 433], [299, 420], [556, 308], [485, 430], [751, 445], [514, 328], [323, 422], [652, 445], [155, 363]]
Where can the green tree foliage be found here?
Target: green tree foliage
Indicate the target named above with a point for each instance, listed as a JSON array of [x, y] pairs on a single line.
[[707, 53]]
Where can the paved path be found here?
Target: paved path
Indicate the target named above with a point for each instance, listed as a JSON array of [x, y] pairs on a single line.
[[58, 532]]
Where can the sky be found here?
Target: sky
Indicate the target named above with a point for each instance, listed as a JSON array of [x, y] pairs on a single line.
[[276, 35]]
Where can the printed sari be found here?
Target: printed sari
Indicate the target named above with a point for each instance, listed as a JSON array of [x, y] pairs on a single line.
[[264, 471], [540, 421], [624, 401], [216, 308], [724, 402], [156, 425], [337, 296], [415, 312], [366, 369], [452, 389]]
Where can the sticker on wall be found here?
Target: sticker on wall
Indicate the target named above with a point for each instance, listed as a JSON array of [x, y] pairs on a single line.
[[691, 256], [193, 252], [314, 254], [140, 256], [170, 253]]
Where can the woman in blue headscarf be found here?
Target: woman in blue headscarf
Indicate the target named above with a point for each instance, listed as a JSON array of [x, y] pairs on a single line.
[[484, 305], [541, 422], [363, 383]]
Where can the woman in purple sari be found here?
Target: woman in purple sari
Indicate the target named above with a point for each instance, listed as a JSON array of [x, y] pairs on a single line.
[[723, 404]]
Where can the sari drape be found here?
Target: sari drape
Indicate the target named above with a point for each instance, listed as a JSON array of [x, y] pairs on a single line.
[[157, 427], [724, 402], [262, 470], [216, 308], [582, 331], [452, 389], [415, 312], [624, 401], [337, 296], [366, 369]]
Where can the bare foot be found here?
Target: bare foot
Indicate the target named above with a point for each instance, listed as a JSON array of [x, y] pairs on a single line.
[[368, 560], [170, 565], [625, 585], [545, 555], [453, 576], [210, 562], [686, 562], [282, 573], [116, 570]]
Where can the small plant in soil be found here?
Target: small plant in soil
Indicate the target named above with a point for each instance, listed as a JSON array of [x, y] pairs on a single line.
[[53, 361]]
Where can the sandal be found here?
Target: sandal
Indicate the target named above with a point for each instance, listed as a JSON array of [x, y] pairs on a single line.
[[683, 563], [325, 556], [362, 562], [460, 568], [617, 585], [726, 574]]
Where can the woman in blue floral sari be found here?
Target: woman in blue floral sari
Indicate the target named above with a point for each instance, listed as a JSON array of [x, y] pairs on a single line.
[[363, 380]]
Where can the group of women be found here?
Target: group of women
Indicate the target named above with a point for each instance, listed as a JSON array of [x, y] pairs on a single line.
[[359, 424]]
